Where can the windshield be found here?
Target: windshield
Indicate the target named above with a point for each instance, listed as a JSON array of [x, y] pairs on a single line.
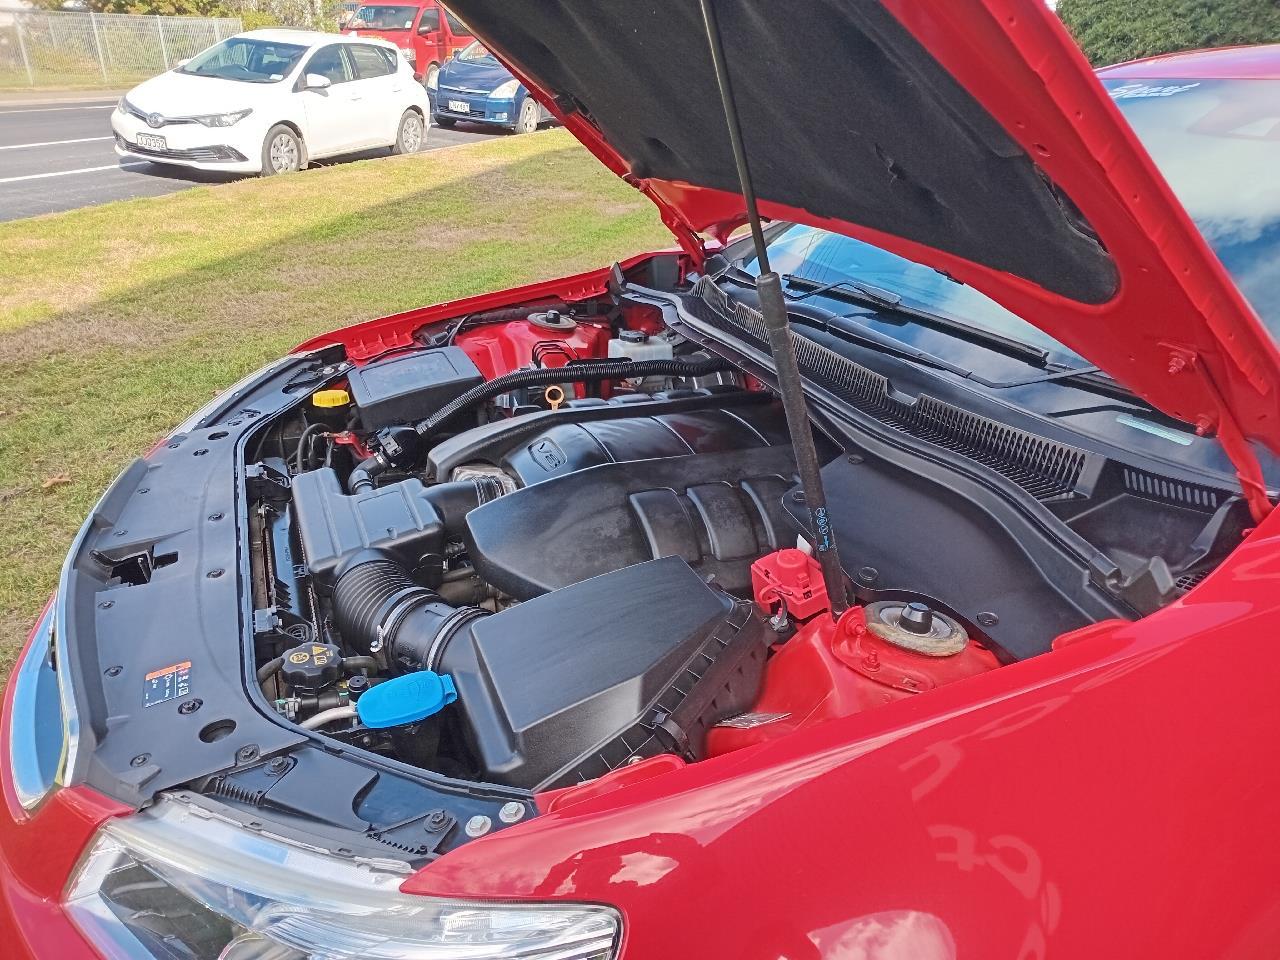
[[247, 59], [382, 17], [1217, 142], [823, 257], [475, 51]]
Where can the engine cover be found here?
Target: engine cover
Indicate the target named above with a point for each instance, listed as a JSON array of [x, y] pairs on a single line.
[[581, 681], [716, 511], [568, 447]]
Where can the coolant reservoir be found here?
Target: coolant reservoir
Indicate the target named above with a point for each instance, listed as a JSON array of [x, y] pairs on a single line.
[[637, 345]]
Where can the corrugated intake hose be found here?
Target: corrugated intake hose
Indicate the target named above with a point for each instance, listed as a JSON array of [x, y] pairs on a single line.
[[378, 606], [573, 373]]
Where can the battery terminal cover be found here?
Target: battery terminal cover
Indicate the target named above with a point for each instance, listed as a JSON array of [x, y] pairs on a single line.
[[790, 578]]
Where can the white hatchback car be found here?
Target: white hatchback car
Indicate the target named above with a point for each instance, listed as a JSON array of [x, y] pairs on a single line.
[[269, 101]]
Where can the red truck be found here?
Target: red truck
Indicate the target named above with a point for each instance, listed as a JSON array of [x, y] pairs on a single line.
[[426, 33]]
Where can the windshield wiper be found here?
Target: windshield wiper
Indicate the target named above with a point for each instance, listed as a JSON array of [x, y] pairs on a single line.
[[864, 291], [866, 295], [851, 331]]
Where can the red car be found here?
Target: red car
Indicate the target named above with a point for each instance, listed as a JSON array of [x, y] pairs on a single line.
[[507, 628], [426, 33]]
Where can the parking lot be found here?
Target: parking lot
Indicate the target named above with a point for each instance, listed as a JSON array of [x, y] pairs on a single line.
[[58, 155]]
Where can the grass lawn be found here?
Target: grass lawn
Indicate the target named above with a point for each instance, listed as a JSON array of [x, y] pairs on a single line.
[[117, 321]]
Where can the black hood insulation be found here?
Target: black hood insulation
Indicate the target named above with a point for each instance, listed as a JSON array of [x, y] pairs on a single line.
[[844, 115]]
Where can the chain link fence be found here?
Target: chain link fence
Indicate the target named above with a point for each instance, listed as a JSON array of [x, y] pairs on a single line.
[[45, 49]]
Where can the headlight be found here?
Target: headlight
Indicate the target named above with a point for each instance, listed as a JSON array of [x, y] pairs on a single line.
[[506, 91], [37, 741], [173, 881], [409, 53], [223, 119]]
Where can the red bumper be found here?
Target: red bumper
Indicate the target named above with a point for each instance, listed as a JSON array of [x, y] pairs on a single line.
[[38, 852], [37, 856]]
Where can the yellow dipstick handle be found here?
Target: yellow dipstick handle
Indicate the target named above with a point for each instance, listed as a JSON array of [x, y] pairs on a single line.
[[554, 395]]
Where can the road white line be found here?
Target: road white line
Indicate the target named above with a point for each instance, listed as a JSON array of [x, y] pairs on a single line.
[[104, 106], [52, 143], [98, 96], [67, 173]]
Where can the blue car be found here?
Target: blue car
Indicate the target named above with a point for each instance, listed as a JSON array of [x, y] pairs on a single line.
[[474, 86]]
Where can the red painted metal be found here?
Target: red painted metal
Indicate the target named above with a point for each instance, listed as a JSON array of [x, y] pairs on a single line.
[[905, 671], [1111, 798], [373, 338], [38, 851], [1221, 63], [830, 670], [790, 577], [624, 776], [502, 347]]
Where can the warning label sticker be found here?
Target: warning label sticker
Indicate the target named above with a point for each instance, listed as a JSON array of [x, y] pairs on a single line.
[[166, 684]]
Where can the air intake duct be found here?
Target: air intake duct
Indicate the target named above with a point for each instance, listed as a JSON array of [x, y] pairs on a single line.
[[575, 683], [378, 606]]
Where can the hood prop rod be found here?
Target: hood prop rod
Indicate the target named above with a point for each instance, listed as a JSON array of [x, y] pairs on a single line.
[[773, 308]]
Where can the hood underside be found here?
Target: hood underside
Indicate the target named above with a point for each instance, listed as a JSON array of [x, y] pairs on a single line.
[[969, 135]]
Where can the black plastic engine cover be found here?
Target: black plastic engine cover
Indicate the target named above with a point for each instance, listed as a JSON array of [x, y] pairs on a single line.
[[567, 447], [716, 511], [397, 519], [573, 684]]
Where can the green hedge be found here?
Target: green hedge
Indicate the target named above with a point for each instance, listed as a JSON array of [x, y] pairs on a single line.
[[1111, 31]]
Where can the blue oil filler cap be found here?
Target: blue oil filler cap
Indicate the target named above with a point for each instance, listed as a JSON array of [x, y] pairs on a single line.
[[405, 699]]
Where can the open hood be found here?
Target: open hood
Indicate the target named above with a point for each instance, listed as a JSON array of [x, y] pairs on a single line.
[[970, 135]]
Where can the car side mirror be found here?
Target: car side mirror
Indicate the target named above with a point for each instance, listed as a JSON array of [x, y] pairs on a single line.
[[456, 55], [183, 62], [426, 29], [315, 81]]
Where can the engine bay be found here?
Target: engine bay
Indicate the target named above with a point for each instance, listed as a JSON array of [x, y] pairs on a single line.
[[544, 543]]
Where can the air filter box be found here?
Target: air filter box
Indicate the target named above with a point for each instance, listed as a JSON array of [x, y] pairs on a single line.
[[411, 386], [580, 681]]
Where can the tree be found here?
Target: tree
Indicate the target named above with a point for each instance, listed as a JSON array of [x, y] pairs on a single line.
[[164, 8], [1111, 31]]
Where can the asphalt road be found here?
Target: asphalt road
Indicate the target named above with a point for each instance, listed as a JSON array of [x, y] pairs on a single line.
[[59, 156]]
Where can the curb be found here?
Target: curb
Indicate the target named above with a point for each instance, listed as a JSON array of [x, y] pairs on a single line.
[[26, 99]]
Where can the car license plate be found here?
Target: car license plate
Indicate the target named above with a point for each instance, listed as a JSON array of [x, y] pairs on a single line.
[[459, 106], [151, 142]]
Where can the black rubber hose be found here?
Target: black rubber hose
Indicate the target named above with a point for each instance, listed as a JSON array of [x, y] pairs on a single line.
[[352, 664], [377, 605], [454, 500], [573, 373], [361, 478], [300, 451], [268, 669]]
